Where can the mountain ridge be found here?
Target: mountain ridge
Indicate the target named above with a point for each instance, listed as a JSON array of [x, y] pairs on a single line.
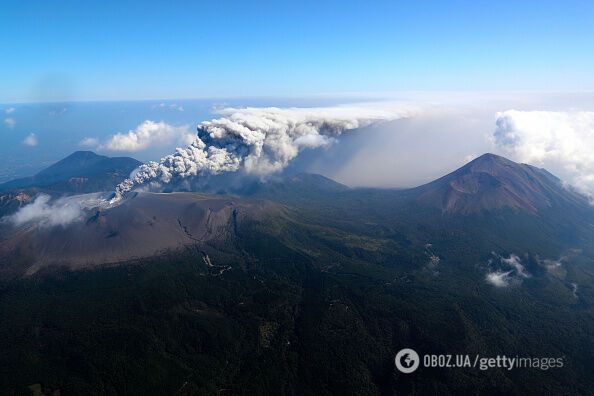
[[488, 185], [81, 171], [221, 279], [494, 182]]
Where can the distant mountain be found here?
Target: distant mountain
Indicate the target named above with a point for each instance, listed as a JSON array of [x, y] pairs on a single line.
[[493, 182], [276, 187], [313, 182], [198, 284], [301, 187], [485, 202], [80, 172]]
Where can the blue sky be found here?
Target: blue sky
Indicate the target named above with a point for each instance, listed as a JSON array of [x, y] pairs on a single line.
[[69, 51]]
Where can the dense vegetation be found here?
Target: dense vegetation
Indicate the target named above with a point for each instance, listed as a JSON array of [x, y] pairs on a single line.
[[316, 298], [310, 311]]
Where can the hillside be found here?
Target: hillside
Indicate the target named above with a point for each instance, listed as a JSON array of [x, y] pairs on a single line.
[[493, 182], [80, 172], [265, 294], [145, 225]]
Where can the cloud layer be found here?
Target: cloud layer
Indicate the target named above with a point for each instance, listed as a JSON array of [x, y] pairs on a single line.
[[551, 138], [46, 213], [259, 141], [147, 134]]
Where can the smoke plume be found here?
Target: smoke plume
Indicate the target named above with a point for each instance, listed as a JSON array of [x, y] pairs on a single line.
[[258, 141]]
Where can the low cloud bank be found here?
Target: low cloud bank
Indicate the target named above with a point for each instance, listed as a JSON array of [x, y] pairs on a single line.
[[558, 138], [42, 211]]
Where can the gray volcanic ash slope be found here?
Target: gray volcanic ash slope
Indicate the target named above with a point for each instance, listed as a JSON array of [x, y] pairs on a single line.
[[143, 225]]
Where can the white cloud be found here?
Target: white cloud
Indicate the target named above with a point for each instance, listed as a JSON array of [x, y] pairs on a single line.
[[164, 105], [498, 278], [469, 157], [148, 134], [503, 278], [59, 112], [30, 140], [552, 265], [551, 138], [9, 110], [10, 122], [514, 262], [45, 213], [89, 142]]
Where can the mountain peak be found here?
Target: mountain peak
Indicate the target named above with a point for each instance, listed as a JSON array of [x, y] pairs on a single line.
[[490, 156], [76, 160], [94, 169], [83, 154], [316, 181], [489, 161], [493, 182]]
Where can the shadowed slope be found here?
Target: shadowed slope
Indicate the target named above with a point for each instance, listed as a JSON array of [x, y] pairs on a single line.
[[493, 182]]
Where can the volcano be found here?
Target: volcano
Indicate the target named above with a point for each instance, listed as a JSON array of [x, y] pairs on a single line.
[[81, 171], [284, 274], [146, 224], [492, 182]]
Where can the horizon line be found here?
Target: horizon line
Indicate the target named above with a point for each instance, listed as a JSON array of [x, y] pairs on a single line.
[[379, 95]]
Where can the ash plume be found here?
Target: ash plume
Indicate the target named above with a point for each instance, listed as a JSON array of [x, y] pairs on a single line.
[[257, 141]]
